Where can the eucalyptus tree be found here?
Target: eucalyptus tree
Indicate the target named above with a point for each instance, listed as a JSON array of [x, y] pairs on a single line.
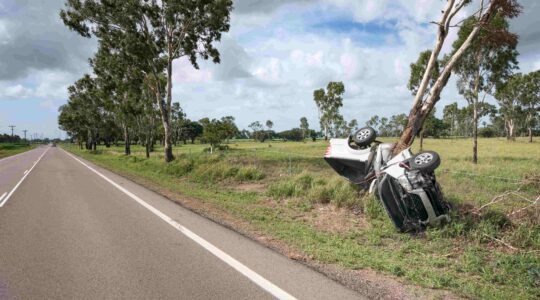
[[84, 113], [488, 61], [304, 126], [328, 103], [121, 81], [425, 99], [373, 122], [156, 33], [530, 101], [231, 130], [177, 118], [507, 95], [70, 122], [258, 131]]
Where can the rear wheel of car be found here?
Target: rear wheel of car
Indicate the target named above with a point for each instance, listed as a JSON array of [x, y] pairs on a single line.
[[426, 161], [364, 136]]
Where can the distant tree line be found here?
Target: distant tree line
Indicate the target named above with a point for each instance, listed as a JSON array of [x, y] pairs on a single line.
[[7, 138]]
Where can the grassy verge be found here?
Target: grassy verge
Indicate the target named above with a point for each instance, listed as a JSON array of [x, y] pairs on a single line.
[[8, 149], [286, 191]]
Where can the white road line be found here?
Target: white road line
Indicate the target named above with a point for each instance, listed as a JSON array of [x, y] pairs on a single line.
[[3, 195], [22, 179], [25, 171], [238, 266]]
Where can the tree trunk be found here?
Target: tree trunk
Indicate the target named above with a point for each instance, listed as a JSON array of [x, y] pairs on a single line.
[[422, 139], [510, 126], [147, 147], [475, 134], [420, 108], [127, 142], [530, 134], [166, 111]]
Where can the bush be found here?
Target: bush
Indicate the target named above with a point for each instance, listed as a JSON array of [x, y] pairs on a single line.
[[249, 174], [211, 173], [284, 189], [320, 194], [179, 168], [486, 132]]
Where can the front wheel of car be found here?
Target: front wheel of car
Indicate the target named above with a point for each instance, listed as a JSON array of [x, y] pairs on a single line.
[[426, 161], [364, 136]]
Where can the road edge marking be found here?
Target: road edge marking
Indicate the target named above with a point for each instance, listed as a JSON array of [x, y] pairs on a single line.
[[232, 262], [22, 179], [2, 197]]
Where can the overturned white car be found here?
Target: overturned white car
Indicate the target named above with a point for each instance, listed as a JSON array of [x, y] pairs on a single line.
[[405, 183]]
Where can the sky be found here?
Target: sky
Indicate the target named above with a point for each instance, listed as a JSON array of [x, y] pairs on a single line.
[[275, 55]]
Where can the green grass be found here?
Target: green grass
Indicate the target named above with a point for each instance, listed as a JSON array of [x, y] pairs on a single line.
[[9, 149], [464, 256]]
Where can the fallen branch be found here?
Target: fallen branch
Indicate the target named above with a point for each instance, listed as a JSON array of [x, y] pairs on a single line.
[[533, 203], [502, 242], [499, 198]]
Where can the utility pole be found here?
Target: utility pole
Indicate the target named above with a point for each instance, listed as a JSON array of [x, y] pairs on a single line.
[[12, 126], [25, 134]]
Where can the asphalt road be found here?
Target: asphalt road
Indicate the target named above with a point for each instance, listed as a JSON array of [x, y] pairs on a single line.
[[72, 230]]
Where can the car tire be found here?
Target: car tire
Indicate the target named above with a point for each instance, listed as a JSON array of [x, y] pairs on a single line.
[[364, 136], [426, 161]]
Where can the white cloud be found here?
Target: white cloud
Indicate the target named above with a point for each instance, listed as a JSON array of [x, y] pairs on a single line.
[[362, 10], [16, 91]]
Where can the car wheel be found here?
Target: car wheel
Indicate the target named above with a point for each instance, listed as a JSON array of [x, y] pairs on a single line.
[[426, 161], [364, 136]]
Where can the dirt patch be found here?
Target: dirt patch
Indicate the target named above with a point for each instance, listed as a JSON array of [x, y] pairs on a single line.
[[330, 218], [251, 187]]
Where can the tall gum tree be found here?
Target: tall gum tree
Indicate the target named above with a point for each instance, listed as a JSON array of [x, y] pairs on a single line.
[[328, 104], [531, 101], [156, 33], [425, 99], [490, 60]]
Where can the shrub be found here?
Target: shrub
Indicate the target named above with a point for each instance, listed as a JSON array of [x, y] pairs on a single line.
[[284, 189], [305, 181], [179, 168], [319, 194], [212, 172], [249, 174], [345, 195]]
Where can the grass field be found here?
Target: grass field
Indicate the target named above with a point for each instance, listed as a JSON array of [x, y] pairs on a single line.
[[8, 149], [286, 191]]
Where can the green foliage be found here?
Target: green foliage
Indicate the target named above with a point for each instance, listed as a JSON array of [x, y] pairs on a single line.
[[486, 132], [295, 134], [328, 103], [216, 131], [249, 174], [419, 68]]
